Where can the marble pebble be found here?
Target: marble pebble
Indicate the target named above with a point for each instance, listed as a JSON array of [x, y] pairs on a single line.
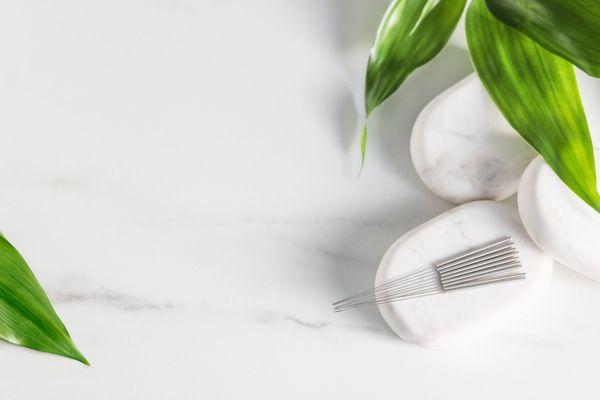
[[562, 225], [456, 318], [463, 149]]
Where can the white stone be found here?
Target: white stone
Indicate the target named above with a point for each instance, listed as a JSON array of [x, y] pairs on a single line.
[[562, 224], [456, 318], [463, 149]]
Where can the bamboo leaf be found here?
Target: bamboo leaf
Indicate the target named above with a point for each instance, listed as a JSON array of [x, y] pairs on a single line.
[[537, 93], [568, 28], [411, 33], [26, 315]]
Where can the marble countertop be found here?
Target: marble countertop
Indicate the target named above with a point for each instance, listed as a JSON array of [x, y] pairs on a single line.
[[181, 177]]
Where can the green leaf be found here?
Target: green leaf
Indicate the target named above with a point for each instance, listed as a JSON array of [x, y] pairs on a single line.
[[537, 93], [568, 28], [26, 315], [411, 33]]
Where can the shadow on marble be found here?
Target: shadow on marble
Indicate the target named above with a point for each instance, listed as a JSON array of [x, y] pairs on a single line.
[[352, 28], [346, 120], [355, 251]]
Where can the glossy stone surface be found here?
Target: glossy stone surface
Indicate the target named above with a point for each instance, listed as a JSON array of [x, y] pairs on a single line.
[[457, 318], [463, 149], [562, 224]]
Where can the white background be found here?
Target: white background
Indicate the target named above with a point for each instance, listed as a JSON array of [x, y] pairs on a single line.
[[181, 177]]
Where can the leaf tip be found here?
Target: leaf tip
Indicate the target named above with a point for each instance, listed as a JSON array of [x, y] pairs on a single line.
[[73, 353], [363, 147], [80, 357]]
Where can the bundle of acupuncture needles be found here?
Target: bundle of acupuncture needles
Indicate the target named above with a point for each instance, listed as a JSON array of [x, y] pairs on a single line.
[[494, 263]]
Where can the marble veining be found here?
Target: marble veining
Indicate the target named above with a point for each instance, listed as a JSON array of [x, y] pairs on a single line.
[[464, 150], [112, 299], [188, 197]]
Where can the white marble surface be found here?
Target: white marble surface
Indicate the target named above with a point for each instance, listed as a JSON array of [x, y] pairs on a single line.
[[181, 175]]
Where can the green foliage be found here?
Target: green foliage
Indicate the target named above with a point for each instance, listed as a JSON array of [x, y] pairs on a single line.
[[523, 51], [26, 315], [411, 33], [537, 93], [568, 28]]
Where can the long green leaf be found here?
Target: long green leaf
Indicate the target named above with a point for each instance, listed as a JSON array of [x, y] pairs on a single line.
[[537, 93], [568, 28], [26, 315], [411, 33]]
